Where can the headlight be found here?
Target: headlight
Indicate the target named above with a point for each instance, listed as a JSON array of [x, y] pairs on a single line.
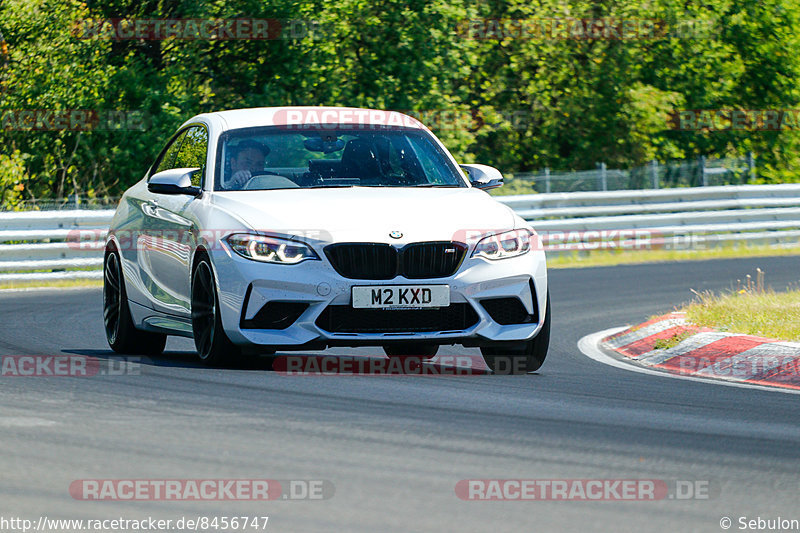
[[504, 245], [270, 249]]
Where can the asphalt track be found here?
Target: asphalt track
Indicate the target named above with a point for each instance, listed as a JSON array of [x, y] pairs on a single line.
[[395, 447]]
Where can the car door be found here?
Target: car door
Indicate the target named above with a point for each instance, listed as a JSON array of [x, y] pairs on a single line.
[[170, 237], [134, 240]]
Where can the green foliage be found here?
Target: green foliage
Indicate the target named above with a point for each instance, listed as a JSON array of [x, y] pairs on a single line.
[[520, 104], [13, 178]]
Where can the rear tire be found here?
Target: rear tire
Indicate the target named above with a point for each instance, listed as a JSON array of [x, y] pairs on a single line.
[[520, 358], [121, 333], [213, 345]]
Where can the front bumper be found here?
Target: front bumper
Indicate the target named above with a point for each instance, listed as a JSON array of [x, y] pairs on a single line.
[[245, 286]]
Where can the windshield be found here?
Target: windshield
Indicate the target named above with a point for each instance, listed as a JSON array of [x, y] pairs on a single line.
[[275, 158]]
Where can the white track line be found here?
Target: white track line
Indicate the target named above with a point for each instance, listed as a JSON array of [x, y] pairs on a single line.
[[588, 345]]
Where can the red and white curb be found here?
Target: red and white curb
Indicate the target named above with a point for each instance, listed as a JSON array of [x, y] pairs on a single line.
[[701, 354]]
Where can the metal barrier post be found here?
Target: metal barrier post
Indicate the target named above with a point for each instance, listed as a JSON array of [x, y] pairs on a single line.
[[603, 176], [654, 173], [702, 170], [546, 179]]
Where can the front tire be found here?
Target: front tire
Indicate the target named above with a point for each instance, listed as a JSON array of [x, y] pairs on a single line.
[[520, 358], [213, 345], [122, 335]]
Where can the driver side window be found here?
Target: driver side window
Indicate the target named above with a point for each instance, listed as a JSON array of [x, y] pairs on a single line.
[[193, 152], [168, 161]]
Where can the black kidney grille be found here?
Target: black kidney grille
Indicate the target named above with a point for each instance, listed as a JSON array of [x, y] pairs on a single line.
[[432, 259], [363, 260], [345, 319], [382, 261]]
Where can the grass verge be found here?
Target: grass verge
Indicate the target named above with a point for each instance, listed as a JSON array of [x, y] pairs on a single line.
[[751, 310], [56, 284], [599, 258]]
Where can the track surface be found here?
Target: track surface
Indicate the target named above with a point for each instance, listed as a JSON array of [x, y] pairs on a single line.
[[394, 447]]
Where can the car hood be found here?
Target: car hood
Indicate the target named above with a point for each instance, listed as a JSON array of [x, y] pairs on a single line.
[[364, 214]]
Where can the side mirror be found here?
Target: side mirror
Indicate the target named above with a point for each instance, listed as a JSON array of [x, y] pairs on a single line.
[[174, 181], [483, 176]]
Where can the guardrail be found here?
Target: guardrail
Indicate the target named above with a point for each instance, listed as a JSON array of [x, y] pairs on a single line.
[[38, 245], [667, 218]]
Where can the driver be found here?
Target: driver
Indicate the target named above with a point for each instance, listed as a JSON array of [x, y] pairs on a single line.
[[247, 159]]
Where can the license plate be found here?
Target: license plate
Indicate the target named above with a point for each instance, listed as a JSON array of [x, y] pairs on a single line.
[[401, 296]]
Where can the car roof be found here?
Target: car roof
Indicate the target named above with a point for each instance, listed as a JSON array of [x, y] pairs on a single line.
[[293, 116]]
